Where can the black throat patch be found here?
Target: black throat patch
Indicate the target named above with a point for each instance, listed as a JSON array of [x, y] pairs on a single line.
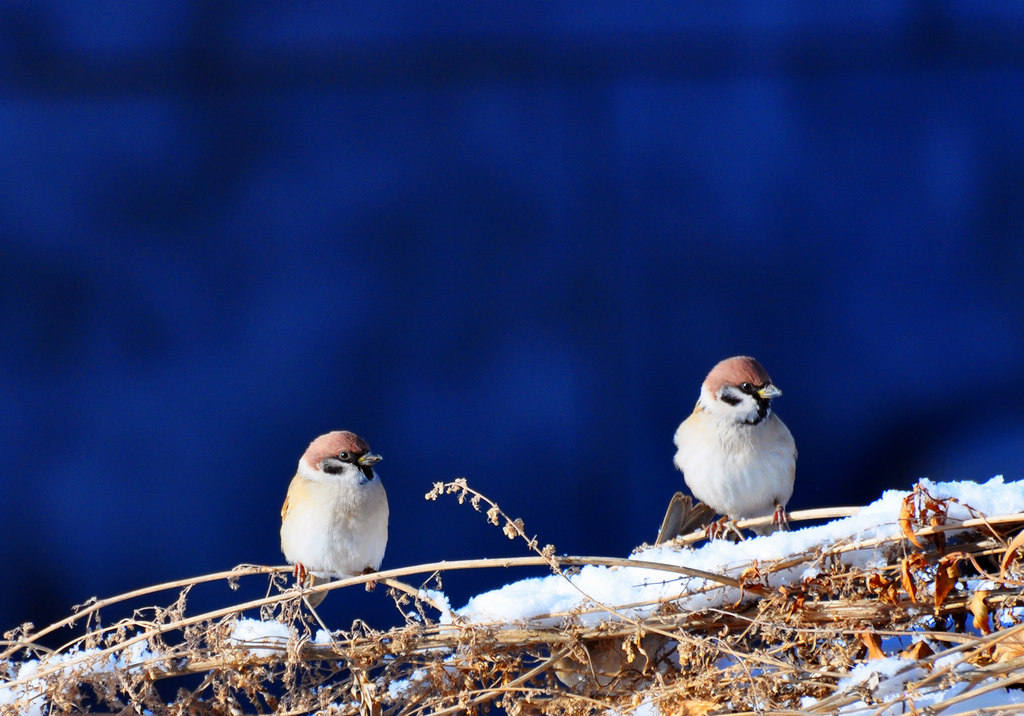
[[764, 408]]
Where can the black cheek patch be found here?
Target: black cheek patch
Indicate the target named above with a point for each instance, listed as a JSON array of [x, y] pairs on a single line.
[[332, 466], [727, 397]]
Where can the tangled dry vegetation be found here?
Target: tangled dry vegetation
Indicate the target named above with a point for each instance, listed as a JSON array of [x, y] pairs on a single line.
[[766, 650]]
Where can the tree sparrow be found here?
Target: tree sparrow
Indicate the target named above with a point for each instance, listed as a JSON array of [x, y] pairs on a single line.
[[734, 452], [334, 520]]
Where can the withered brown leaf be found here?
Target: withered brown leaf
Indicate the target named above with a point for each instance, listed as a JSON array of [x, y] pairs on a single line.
[[907, 516], [946, 575], [907, 579], [979, 609], [886, 589], [917, 650], [1010, 648], [1010, 554], [874, 644]]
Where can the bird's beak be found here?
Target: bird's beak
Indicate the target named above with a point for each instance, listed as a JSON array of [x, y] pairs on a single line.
[[369, 459], [769, 391]]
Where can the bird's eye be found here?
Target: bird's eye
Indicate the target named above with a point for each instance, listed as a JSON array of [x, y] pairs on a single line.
[[747, 388], [343, 455]]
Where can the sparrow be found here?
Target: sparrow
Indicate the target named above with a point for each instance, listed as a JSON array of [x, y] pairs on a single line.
[[334, 521], [735, 454]]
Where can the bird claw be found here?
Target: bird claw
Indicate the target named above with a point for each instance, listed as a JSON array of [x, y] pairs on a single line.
[[716, 529], [780, 518], [371, 585], [723, 528], [304, 579]]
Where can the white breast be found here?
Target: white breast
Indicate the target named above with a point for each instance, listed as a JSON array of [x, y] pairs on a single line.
[[739, 470], [335, 525]]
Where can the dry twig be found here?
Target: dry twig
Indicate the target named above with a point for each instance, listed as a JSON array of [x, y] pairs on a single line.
[[751, 648]]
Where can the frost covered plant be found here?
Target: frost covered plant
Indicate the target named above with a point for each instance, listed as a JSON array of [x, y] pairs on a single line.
[[910, 603]]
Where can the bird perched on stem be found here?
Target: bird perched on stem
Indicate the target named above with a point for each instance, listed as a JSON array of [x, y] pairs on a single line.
[[736, 455], [334, 520]]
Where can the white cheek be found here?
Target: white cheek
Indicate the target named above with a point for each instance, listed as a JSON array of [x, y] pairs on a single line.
[[744, 411], [349, 475]]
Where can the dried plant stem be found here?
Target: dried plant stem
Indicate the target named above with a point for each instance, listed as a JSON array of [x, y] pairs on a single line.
[[502, 563], [750, 648]]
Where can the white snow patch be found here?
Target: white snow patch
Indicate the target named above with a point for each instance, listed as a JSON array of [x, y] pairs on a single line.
[[441, 600], [399, 688], [74, 663], [646, 708], [591, 591], [879, 671], [30, 690], [263, 638], [536, 597]]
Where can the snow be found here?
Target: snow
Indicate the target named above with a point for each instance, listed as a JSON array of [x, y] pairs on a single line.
[[31, 689], [593, 594], [74, 662], [535, 598], [881, 676], [440, 599], [264, 638], [547, 600], [647, 708], [399, 688], [260, 638], [887, 680]]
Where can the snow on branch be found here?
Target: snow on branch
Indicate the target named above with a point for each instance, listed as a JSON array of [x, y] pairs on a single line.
[[908, 603]]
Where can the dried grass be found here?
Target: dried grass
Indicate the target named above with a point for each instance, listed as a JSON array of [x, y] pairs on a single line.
[[766, 652]]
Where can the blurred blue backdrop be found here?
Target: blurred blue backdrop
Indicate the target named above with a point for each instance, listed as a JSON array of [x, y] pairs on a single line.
[[499, 242]]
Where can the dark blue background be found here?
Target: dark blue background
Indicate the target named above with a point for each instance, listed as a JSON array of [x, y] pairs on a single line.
[[505, 243]]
